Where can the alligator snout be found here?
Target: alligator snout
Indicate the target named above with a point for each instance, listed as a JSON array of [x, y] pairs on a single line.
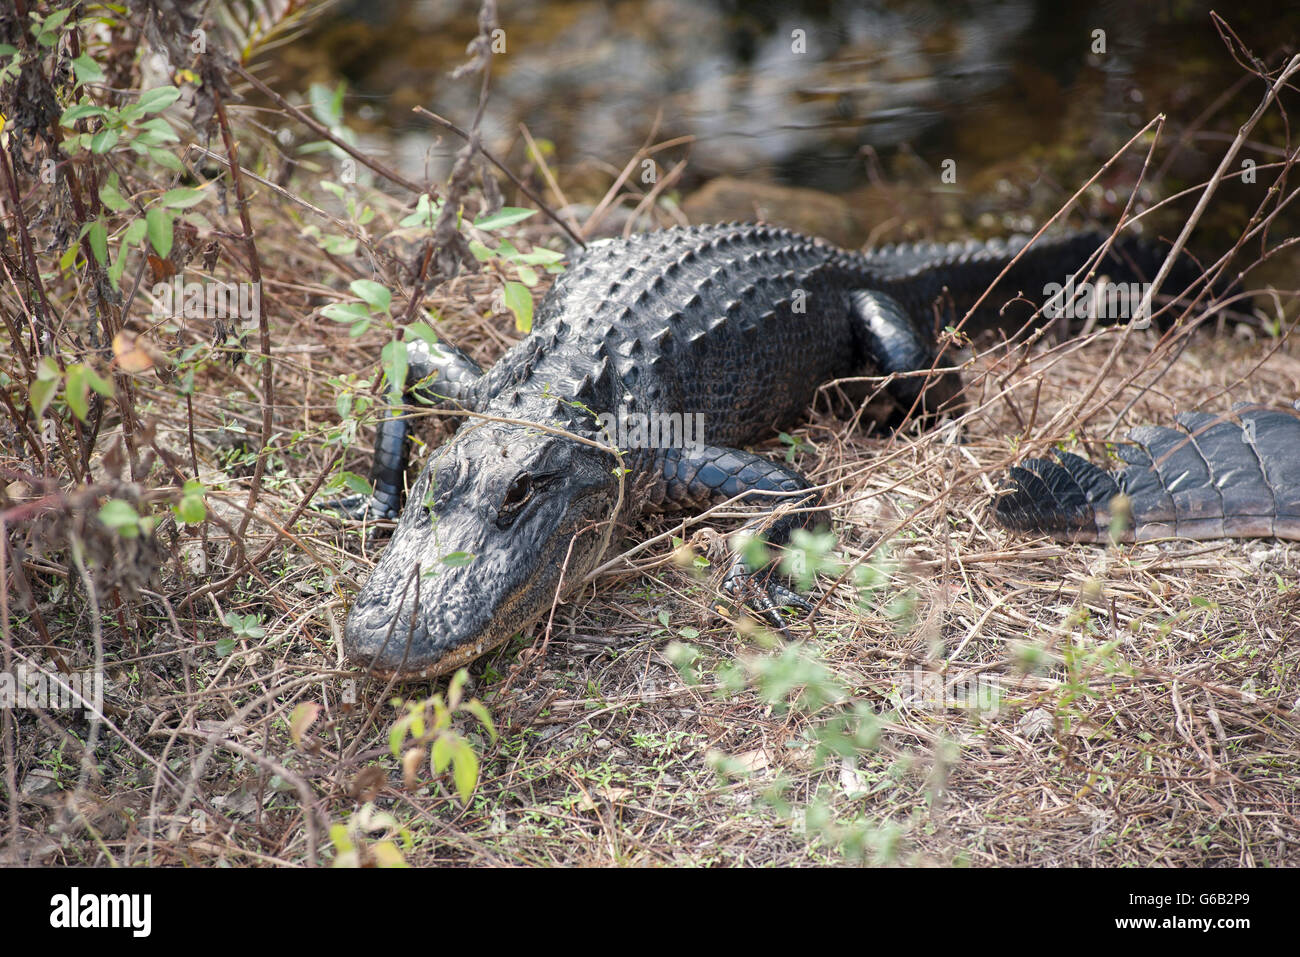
[[419, 625]]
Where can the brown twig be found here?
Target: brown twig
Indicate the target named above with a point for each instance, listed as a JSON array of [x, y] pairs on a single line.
[[263, 323], [324, 133], [523, 187]]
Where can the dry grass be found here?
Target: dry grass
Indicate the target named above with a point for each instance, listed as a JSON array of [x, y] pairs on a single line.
[[1146, 708], [1146, 696]]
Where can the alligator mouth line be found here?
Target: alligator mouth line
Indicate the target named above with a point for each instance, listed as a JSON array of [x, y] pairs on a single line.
[[444, 665], [454, 658]]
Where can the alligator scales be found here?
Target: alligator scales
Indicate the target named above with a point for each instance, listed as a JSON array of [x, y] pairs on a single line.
[[734, 327]]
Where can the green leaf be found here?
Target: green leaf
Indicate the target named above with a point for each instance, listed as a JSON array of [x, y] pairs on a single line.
[[421, 330], [190, 510], [478, 710], [164, 158], [104, 140], [77, 391], [354, 482], [99, 383], [345, 312], [48, 370], [440, 753], [426, 213], [99, 241], [540, 257], [372, 293], [464, 765], [457, 559], [112, 197], [754, 551], [157, 131], [86, 69], [42, 392], [158, 224], [121, 517], [395, 365], [327, 104], [183, 198], [505, 216], [80, 111], [520, 301], [153, 101], [225, 647], [245, 626], [527, 276], [115, 271], [54, 20], [134, 233], [396, 735], [150, 138], [339, 245]]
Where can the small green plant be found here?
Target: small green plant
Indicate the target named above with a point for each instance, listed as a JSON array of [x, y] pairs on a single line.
[[191, 508], [249, 627], [354, 846], [73, 384], [839, 729], [121, 517], [428, 725], [794, 444]]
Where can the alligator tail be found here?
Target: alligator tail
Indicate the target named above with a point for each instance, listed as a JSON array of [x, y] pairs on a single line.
[[952, 278], [1228, 476]]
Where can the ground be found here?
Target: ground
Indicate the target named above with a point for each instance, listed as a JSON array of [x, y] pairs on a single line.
[[1006, 701]]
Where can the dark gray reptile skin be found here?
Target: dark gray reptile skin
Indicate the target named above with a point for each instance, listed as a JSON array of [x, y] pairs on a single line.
[[1228, 476], [736, 323]]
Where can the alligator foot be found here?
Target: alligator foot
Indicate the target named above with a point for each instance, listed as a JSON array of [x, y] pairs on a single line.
[[359, 507], [762, 594]]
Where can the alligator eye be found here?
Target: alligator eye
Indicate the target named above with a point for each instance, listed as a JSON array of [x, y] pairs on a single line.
[[520, 489]]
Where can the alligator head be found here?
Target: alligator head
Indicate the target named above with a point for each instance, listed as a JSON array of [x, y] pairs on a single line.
[[496, 514]]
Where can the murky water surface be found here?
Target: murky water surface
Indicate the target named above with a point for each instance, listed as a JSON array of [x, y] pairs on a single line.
[[1024, 99]]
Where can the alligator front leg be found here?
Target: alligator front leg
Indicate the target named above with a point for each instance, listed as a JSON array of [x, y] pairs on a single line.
[[438, 376], [699, 476]]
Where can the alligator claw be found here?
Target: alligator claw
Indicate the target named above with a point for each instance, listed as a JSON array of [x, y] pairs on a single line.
[[759, 592], [358, 507]]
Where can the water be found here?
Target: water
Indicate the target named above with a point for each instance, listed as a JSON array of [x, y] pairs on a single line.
[[1026, 99]]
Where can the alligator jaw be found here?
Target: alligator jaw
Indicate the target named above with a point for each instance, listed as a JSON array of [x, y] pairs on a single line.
[[448, 663], [363, 647]]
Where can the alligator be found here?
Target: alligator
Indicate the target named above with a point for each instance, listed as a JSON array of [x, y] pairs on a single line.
[[734, 326]]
